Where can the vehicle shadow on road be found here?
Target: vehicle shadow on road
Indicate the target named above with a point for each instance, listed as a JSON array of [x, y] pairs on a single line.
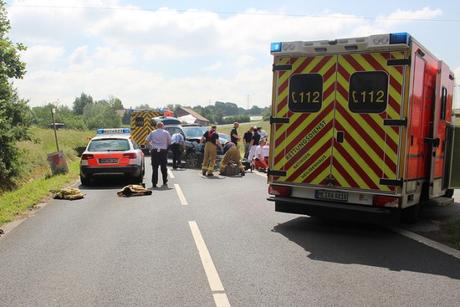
[[351, 243], [106, 184]]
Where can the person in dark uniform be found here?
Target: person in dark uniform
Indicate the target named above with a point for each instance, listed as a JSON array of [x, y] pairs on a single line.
[[234, 134], [247, 137]]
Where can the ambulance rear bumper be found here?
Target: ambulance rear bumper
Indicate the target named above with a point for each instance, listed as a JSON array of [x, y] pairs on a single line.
[[332, 210]]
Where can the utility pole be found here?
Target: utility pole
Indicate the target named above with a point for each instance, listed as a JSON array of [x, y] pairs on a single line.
[[53, 110]]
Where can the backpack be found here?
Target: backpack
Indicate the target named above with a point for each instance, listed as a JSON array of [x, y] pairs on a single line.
[[231, 169]]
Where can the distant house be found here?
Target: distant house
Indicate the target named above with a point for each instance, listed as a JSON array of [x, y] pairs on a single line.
[[190, 114]]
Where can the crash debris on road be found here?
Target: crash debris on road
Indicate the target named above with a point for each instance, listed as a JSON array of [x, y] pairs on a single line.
[[133, 190], [68, 194]]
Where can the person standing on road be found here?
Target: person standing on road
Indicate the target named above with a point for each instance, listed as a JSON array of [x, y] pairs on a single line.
[[177, 146], [234, 134], [211, 140], [254, 143], [159, 141], [247, 137]]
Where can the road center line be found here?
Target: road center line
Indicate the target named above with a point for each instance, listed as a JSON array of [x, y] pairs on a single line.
[[220, 298], [170, 174], [433, 244], [180, 194]]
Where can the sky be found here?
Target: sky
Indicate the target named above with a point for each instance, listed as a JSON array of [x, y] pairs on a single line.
[[194, 53]]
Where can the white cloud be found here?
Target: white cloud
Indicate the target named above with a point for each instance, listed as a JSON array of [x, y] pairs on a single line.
[[42, 57], [121, 51]]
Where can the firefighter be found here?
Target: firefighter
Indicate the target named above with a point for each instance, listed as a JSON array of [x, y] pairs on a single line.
[[232, 155], [211, 140]]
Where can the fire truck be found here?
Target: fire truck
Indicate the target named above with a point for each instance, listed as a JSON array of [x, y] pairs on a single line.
[[142, 124], [360, 128]]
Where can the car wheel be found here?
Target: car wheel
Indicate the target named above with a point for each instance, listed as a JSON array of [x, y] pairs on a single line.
[[191, 160], [411, 214], [449, 193], [85, 180]]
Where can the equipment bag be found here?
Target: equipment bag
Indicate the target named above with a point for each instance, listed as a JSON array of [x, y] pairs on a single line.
[[231, 169]]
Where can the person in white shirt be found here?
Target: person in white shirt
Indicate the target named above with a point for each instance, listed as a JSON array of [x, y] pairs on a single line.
[[159, 141], [261, 155], [177, 146]]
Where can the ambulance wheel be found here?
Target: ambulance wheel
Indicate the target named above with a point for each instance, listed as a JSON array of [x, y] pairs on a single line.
[[449, 193], [411, 214]]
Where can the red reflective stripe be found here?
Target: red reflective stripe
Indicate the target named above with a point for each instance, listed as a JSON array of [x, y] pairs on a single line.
[[310, 161], [353, 164], [351, 182], [318, 170], [310, 144]]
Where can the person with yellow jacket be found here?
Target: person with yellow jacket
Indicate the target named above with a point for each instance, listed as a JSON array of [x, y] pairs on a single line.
[[211, 140], [232, 155]]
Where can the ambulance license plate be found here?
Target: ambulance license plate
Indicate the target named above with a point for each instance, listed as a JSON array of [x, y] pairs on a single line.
[[108, 160], [331, 195]]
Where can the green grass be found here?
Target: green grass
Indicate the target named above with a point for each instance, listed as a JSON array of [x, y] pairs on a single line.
[[36, 181], [15, 203], [244, 127], [35, 152]]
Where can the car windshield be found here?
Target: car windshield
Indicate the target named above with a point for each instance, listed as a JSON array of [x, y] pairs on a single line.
[[194, 132], [224, 138], [108, 145]]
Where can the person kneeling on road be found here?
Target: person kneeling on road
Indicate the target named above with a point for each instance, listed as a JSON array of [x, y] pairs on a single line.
[[210, 150], [261, 156], [232, 155]]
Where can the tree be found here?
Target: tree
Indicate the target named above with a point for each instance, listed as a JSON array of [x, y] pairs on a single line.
[[100, 115], [116, 103], [143, 107], [81, 102], [14, 112]]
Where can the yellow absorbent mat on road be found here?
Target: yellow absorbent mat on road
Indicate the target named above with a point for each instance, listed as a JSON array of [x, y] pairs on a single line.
[[133, 190], [68, 193]]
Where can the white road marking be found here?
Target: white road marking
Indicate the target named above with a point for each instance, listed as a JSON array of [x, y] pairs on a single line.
[[433, 244], [220, 298], [260, 174], [170, 174], [180, 194]]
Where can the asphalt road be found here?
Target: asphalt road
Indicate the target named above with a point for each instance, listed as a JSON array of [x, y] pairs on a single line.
[[110, 251]]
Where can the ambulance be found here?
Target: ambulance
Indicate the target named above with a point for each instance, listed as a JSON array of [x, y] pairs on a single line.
[[142, 124], [360, 128]]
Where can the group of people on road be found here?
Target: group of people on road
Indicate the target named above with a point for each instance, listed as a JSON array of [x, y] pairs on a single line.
[[254, 140]]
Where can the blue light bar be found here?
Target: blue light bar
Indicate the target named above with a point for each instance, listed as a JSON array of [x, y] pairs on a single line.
[[399, 38], [275, 47]]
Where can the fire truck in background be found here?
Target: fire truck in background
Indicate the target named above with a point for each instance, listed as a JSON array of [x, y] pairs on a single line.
[[360, 128], [142, 124]]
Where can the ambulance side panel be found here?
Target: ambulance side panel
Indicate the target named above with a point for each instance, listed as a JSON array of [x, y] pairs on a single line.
[[141, 126]]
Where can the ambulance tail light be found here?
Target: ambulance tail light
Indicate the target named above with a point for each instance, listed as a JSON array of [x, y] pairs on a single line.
[[385, 201], [279, 190], [399, 38]]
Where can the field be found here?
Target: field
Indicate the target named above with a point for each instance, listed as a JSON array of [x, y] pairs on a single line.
[[244, 127]]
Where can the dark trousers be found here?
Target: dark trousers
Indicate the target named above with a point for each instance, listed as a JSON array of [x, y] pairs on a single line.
[[176, 158], [159, 158]]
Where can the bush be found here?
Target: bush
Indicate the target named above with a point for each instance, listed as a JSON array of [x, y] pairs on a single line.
[[232, 119]]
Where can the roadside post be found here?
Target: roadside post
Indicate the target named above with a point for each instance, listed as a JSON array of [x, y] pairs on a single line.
[[56, 159]]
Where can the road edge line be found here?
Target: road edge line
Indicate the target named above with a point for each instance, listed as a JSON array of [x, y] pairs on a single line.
[[428, 242], [170, 174]]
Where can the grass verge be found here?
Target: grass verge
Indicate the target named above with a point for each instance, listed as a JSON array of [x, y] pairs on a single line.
[[15, 203]]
